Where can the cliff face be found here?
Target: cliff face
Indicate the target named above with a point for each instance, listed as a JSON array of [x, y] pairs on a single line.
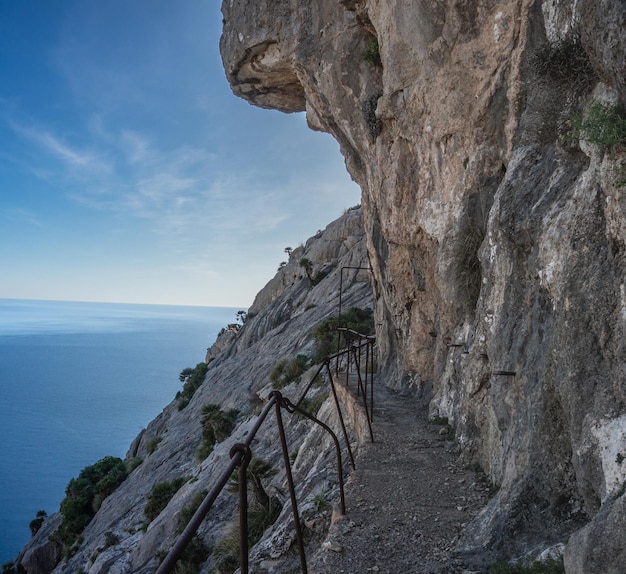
[[120, 538], [496, 231]]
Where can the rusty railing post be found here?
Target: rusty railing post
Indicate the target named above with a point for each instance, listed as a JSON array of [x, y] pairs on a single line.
[[292, 488], [360, 386], [241, 455]]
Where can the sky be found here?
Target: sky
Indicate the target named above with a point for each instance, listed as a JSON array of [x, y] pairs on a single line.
[[129, 172]]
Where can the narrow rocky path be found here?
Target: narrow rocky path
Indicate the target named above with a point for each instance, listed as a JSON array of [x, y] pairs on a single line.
[[407, 501]]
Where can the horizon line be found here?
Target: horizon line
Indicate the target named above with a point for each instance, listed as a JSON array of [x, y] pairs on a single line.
[[120, 302]]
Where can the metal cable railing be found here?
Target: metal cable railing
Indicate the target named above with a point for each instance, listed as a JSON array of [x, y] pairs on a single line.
[[351, 357]]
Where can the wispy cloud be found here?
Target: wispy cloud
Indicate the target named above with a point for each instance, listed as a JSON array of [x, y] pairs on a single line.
[[136, 146], [167, 188], [70, 156], [22, 216], [137, 151], [184, 194], [161, 185], [136, 178]]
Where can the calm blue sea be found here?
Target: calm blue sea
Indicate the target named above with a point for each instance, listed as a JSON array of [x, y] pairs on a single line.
[[78, 381]]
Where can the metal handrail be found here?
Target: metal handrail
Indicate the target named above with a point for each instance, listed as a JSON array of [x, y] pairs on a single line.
[[355, 343], [190, 530], [241, 455]]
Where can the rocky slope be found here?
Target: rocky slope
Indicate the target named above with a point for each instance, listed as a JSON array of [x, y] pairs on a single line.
[[496, 228], [279, 324]]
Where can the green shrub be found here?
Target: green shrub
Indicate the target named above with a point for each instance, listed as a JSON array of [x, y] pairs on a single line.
[[262, 513], [259, 470], [186, 514], [217, 422], [217, 425], [159, 497], [133, 463], [327, 337], [153, 444], [603, 125], [307, 265], [288, 370], [192, 558], [85, 494], [437, 420], [204, 450], [312, 405], [353, 208], [226, 552], [319, 276], [293, 455], [321, 500], [110, 539], [551, 566], [192, 379], [260, 518], [371, 54], [36, 523]]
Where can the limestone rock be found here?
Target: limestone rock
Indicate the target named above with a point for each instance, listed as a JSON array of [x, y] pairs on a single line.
[[119, 539], [496, 236], [600, 546], [42, 553]]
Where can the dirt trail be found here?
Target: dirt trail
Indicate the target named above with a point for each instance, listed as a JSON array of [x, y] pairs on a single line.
[[406, 502]]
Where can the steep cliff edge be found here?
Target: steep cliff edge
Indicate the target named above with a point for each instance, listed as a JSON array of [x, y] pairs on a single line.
[[496, 228], [125, 537]]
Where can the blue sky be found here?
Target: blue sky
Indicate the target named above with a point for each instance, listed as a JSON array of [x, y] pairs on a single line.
[[130, 172]]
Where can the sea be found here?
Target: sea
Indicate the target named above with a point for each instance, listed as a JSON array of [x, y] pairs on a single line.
[[78, 382]]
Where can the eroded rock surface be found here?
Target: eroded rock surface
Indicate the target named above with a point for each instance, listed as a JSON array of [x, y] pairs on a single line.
[[497, 236], [280, 324]]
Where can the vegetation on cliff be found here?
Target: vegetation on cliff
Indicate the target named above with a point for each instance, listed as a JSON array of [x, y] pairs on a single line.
[[327, 337], [84, 496], [191, 378], [147, 511], [217, 424], [600, 124], [159, 497]]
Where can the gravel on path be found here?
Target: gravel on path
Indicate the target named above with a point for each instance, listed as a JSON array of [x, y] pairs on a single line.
[[407, 501]]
